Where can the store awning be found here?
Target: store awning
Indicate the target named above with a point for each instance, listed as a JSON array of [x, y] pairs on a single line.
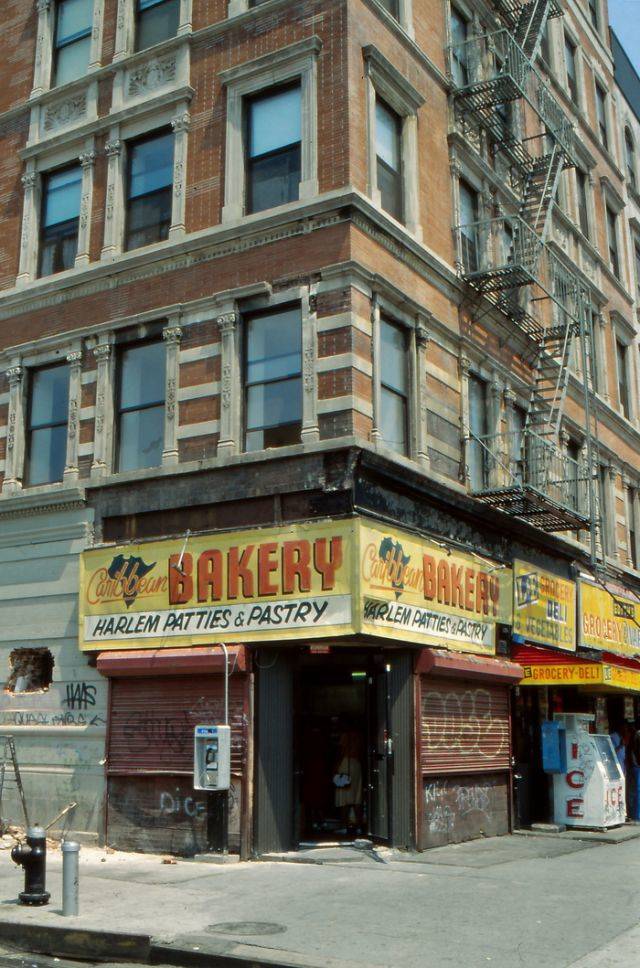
[[436, 662], [171, 662], [542, 667]]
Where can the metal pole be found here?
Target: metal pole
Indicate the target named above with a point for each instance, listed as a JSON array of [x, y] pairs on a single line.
[[226, 683], [225, 793], [70, 877]]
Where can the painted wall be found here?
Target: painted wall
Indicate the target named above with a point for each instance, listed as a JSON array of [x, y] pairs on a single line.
[[59, 732]]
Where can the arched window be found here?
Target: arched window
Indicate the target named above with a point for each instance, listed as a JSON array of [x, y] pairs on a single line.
[[631, 158]]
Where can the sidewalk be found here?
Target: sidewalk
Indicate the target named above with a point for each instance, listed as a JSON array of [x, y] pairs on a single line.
[[538, 902]]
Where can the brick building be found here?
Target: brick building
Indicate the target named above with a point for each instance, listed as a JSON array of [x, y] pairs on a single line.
[[298, 280]]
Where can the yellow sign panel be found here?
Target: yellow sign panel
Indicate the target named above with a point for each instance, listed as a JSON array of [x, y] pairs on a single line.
[[414, 590], [582, 674], [610, 623], [235, 587], [544, 607]]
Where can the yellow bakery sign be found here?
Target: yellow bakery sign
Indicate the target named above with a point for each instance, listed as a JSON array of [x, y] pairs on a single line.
[[608, 621], [236, 586], [415, 590], [324, 579], [544, 607]]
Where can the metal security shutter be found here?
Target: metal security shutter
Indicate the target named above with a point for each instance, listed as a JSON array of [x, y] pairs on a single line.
[[464, 727], [152, 721]]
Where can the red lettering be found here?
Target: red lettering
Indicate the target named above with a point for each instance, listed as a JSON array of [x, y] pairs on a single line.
[[327, 566], [266, 566], [429, 575], [296, 561], [457, 597], [180, 579], [239, 571], [444, 583], [210, 576], [574, 751], [482, 593], [575, 779], [574, 808], [469, 584]]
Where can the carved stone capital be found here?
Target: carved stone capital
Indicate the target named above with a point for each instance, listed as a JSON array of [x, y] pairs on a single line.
[[112, 148], [42, 6], [465, 365], [423, 336], [29, 180], [613, 471], [102, 352], [227, 322], [495, 389], [74, 358], [181, 122], [172, 334], [509, 396], [88, 158], [14, 374]]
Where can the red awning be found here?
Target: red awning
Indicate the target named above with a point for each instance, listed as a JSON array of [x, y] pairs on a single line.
[[171, 662], [436, 662]]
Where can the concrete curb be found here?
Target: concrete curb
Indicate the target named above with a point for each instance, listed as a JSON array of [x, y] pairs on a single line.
[[198, 951]]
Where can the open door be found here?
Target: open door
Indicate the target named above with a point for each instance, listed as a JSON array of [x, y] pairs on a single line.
[[380, 753]]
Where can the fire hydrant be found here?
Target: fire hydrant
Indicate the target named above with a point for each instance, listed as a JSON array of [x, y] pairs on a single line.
[[33, 857]]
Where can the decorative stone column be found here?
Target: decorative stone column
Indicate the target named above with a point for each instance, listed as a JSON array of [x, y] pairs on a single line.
[[44, 47], [310, 428], [611, 543], [228, 442], [124, 30], [103, 431], [635, 502], [422, 338], [406, 17], [376, 371], [465, 439], [185, 26], [14, 460], [494, 443], [114, 200], [87, 162], [95, 55], [172, 335], [71, 469], [411, 181], [180, 125], [28, 266], [456, 171]]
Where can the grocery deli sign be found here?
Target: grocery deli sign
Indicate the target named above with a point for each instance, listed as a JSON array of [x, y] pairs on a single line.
[[415, 590], [608, 621], [544, 607], [581, 674], [238, 586], [299, 582]]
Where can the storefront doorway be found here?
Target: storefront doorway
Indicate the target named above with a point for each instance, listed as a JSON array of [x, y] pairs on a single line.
[[341, 747]]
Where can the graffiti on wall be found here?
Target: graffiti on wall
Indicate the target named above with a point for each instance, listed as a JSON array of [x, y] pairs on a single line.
[[464, 807], [76, 703], [469, 722]]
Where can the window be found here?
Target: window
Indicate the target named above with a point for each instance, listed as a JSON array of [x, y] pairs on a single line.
[[72, 45], [517, 443], [630, 153], [573, 474], [389, 159], [545, 45], [391, 6], [459, 48], [394, 389], [623, 382], [141, 392], [469, 227], [582, 180], [47, 424], [273, 382], [156, 20], [60, 216], [612, 238], [601, 114], [572, 74], [636, 252], [594, 13], [149, 194], [631, 526], [273, 148], [478, 428], [606, 537]]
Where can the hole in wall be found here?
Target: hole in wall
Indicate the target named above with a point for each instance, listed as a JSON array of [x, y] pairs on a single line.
[[31, 670]]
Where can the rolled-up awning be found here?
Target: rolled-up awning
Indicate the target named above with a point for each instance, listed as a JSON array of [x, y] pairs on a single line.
[[437, 662], [171, 662]]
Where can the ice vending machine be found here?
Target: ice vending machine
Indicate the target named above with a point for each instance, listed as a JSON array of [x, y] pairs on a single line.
[[590, 792]]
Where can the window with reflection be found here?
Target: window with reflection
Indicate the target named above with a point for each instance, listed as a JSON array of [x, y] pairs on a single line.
[[469, 227], [394, 387], [273, 379], [612, 238], [48, 415], [389, 159], [630, 155], [582, 180], [623, 377], [594, 13], [631, 526], [601, 115], [156, 20], [391, 6], [273, 148], [140, 404], [459, 48], [149, 189], [72, 40], [478, 426], [59, 219], [572, 73]]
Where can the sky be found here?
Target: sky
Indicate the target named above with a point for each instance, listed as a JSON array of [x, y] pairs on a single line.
[[624, 17]]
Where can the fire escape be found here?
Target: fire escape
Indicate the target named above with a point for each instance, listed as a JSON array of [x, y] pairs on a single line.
[[507, 261]]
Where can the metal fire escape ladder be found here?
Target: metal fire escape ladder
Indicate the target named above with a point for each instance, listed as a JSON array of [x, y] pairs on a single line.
[[531, 25]]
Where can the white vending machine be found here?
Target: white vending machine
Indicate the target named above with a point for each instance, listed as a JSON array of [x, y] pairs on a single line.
[[590, 792]]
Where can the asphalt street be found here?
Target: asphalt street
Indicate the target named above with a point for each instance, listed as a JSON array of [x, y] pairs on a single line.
[[511, 902]]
